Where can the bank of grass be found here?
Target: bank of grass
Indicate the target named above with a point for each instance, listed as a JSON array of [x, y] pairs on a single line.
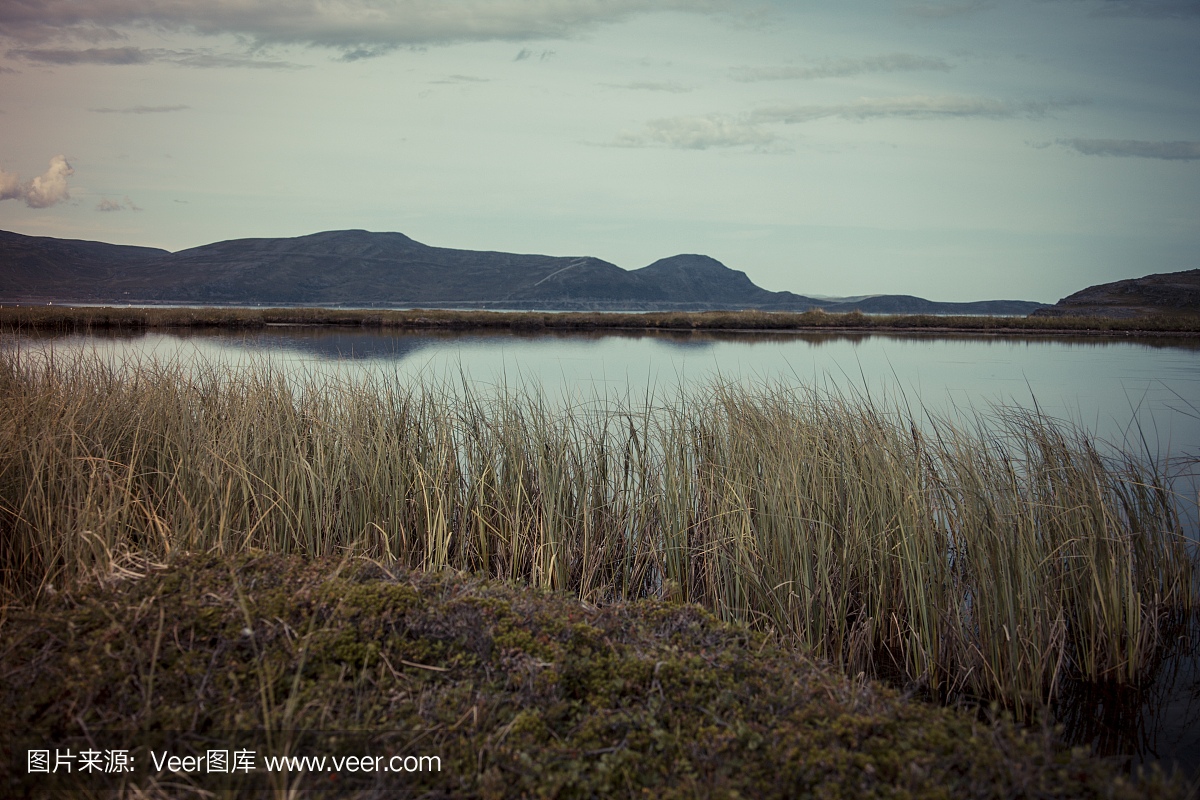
[[65, 318], [992, 558], [517, 693]]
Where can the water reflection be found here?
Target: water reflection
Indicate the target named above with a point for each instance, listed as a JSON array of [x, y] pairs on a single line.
[[332, 345], [1134, 391], [344, 342], [1155, 722]]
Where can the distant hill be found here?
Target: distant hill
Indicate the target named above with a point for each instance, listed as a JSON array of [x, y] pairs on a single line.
[[40, 266], [362, 269], [1166, 293]]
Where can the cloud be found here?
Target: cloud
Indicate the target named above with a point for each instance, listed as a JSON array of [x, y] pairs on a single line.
[[468, 79], [50, 187], [525, 54], [945, 10], [350, 26], [650, 86], [47, 189], [461, 79], [1169, 9], [698, 133], [1133, 148], [93, 55], [723, 130], [112, 205], [361, 53], [139, 110], [911, 107], [204, 59], [123, 56], [841, 68], [10, 186]]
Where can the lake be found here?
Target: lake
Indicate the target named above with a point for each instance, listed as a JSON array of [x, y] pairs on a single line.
[[1108, 385], [1137, 393]]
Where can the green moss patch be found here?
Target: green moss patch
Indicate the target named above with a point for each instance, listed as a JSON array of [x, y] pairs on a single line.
[[519, 693]]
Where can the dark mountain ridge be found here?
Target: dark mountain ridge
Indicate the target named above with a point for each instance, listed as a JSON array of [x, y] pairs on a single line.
[[363, 269]]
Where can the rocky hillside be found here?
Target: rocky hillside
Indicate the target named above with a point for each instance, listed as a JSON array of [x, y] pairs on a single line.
[[1166, 293]]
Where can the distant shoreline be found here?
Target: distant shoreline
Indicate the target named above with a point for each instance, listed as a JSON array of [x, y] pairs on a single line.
[[75, 318]]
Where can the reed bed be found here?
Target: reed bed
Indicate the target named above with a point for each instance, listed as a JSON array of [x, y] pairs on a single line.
[[84, 318], [992, 557]]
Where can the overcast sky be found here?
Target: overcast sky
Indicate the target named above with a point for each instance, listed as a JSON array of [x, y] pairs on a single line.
[[953, 149]]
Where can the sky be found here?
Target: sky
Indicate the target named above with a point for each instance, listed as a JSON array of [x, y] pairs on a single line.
[[952, 149]]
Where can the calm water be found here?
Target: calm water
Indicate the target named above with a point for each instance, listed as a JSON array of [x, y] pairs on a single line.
[[1110, 386], [1136, 393]]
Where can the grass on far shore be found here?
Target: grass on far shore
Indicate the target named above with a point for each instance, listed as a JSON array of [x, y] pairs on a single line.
[[516, 692], [66, 318]]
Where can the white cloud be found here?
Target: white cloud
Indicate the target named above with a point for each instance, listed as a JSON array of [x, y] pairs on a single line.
[[841, 68], [47, 189], [697, 133], [360, 27], [1132, 148]]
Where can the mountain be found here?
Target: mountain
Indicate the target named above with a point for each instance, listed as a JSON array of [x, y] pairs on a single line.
[[362, 269], [907, 304], [1165, 293], [37, 266]]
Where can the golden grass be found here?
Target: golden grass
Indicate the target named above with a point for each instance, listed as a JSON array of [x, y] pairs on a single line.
[[994, 558]]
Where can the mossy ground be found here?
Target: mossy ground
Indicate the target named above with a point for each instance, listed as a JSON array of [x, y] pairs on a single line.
[[520, 693]]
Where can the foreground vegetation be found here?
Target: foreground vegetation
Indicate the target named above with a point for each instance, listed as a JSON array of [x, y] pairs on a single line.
[[518, 693], [993, 558], [59, 318]]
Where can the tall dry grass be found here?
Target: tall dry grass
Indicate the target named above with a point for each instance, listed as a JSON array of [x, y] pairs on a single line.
[[994, 557]]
